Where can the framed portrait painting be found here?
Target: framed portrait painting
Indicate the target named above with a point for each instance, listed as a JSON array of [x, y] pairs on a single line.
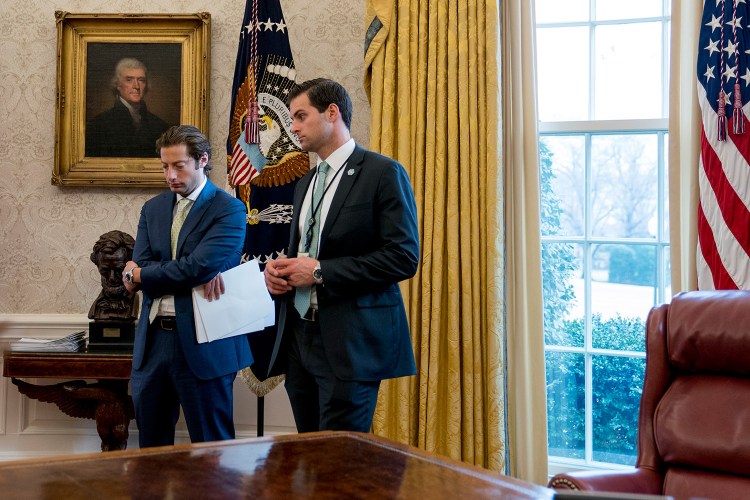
[[122, 79]]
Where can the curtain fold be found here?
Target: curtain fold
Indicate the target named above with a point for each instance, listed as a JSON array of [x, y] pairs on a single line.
[[527, 406], [432, 79], [684, 143]]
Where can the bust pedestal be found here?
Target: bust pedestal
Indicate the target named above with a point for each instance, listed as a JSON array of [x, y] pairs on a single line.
[[111, 335]]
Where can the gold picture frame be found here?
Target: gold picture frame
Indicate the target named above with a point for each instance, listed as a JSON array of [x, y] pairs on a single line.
[[174, 53]]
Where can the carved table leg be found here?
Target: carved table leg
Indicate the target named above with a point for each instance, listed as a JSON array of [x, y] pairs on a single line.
[[106, 401]]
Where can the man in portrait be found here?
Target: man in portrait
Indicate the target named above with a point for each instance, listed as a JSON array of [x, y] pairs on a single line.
[[111, 251], [128, 129]]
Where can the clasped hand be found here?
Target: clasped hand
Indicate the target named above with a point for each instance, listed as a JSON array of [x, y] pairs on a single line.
[[283, 274], [212, 290]]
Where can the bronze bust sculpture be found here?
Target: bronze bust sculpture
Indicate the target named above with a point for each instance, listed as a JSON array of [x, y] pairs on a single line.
[[114, 303]]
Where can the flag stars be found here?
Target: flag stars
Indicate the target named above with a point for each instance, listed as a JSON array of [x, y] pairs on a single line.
[[712, 47], [735, 22], [715, 22], [746, 77], [280, 26], [268, 25], [709, 72], [731, 48], [730, 72]]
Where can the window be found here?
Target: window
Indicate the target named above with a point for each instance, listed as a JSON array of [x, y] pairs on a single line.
[[602, 71]]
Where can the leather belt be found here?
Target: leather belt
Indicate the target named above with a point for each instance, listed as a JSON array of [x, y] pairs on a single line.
[[167, 323], [311, 315]]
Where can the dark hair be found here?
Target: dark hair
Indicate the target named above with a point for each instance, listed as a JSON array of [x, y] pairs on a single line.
[[190, 136], [322, 92]]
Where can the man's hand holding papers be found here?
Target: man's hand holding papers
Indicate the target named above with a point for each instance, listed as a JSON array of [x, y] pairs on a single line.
[[244, 307]]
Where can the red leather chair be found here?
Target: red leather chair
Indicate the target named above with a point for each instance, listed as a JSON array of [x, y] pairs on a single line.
[[694, 421]]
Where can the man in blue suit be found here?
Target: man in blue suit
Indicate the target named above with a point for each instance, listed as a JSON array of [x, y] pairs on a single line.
[[186, 237], [342, 326]]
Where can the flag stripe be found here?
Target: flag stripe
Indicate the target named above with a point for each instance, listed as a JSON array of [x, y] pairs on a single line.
[[729, 203], [720, 279]]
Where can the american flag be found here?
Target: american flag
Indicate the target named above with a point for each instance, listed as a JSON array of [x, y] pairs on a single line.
[[264, 159], [723, 257], [259, 137]]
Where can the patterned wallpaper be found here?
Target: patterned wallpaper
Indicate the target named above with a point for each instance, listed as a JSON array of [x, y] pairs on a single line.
[[47, 232]]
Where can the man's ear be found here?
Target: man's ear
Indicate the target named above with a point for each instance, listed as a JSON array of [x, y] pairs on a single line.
[[203, 161], [332, 112]]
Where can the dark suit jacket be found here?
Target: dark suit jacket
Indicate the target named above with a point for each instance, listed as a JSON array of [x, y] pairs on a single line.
[[210, 241], [113, 134], [368, 244]]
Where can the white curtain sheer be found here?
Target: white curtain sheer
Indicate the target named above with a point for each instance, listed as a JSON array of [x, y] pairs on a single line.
[[527, 408]]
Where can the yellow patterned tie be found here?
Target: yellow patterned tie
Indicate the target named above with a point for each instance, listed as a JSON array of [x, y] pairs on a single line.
[[183, 207], [304, 293]]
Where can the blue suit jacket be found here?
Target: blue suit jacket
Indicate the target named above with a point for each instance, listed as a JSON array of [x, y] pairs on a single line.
[[210, 241], [368, 244]]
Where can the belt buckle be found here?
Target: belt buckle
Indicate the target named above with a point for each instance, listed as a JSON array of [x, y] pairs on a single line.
[[167, 324]]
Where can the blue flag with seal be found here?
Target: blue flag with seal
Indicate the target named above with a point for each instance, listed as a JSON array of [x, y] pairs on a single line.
[[264, 159]]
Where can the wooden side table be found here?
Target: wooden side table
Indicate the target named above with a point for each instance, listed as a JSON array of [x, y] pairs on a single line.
[[107, 400]]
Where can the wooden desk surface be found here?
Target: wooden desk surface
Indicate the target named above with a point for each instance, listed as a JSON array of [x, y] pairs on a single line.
[[68, 365], [318, 465]]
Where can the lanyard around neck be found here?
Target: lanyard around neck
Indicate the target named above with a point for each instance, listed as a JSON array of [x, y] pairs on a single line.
[[314, 209]]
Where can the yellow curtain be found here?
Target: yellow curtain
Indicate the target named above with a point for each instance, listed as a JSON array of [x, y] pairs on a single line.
[[684, 143], [432, 78]]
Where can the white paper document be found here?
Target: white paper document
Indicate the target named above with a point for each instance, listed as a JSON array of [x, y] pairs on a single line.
[[245, 307]]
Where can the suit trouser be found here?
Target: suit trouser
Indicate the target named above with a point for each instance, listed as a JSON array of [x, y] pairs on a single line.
[[165, 382], [320, 400]]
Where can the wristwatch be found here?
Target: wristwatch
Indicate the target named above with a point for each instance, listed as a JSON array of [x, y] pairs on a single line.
[[318, 274], [129, 275]]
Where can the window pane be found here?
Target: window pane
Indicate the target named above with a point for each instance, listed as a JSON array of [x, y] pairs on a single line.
[[628, 71], [561, 11], [624, 185], [630, 9], [562, 284], [565, 404], [563, 73], [617, 383], [562, 185], [623, 291]]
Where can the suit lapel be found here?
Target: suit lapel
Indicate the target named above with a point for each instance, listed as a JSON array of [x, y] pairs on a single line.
[[200, 206], [352, 168], [163, 244]]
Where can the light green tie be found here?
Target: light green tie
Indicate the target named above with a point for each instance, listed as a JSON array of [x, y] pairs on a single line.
[[183, 207], [304, 293]]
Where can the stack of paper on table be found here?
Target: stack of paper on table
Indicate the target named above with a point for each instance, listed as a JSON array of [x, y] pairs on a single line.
[[71, 343], [245, 307]]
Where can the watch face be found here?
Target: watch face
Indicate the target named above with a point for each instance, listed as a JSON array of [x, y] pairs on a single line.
[[318, 274]]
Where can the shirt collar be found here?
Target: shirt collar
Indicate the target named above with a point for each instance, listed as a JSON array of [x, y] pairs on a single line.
[[196, 192], [338, 158]]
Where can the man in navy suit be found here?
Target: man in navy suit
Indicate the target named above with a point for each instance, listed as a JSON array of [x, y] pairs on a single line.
[[170, 258], [348, 250]]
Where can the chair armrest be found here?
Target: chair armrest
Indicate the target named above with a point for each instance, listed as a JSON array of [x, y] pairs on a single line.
[[642, 481]]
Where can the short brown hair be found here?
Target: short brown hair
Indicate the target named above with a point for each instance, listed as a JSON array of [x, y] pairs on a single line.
[[190, 136]]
